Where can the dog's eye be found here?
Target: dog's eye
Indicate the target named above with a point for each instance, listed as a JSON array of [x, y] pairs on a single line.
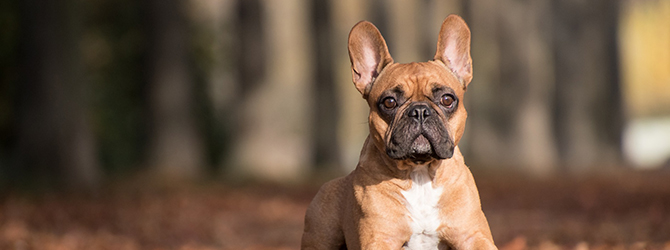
[[448, 101], [389, 103]]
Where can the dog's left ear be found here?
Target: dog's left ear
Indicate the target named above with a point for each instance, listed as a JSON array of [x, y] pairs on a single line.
[[368, 54], [453, 48]]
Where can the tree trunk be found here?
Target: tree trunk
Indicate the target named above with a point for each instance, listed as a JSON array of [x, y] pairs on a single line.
[[327, 105], [217, 91], [511, 91], [175, 145], [524, 74], [273, 139], [352, 127], [55, 142], [588, 109]]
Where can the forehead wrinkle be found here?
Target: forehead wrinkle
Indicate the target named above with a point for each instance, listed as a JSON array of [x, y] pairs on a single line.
[[417, 79], [425, 86]]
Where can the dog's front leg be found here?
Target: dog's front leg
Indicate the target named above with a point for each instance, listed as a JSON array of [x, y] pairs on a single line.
[[380, 215], [378, 234], [322, 219], [478, 240]]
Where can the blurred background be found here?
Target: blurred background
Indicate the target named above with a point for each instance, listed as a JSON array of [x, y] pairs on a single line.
[[251, 102]]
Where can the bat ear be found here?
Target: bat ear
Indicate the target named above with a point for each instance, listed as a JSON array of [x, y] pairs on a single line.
[[453, 48], [368, 54]]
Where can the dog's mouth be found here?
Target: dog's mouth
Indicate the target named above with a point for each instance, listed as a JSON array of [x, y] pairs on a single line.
[[421, 150]]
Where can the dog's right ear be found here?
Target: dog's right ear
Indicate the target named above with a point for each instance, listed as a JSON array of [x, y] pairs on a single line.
[[453, 48], [368, 54]]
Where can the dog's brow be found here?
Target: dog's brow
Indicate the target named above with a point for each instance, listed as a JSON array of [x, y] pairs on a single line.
[[398, 89], [438, 88], [395, 91]]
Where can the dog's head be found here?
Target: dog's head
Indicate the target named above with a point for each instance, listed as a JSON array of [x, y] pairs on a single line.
[[416, 109]]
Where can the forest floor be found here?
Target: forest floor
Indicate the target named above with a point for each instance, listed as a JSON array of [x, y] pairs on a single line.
[[615, 211]]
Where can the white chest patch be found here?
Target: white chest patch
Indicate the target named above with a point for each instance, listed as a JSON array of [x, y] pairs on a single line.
[[424, 217]]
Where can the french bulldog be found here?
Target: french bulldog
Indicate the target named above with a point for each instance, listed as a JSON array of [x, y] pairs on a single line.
[[411, 188]]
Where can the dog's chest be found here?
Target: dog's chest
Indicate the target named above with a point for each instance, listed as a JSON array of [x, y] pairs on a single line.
[[423, 213]]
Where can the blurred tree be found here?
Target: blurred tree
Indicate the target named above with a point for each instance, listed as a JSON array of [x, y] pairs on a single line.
[[9, 24], [251, 51], [175, 144], [588, 108], [112, 44], [352, 127], [251, 85], [55, 144], [327, 105], [273, 141], [511, 57], [535, 59], [211, 35], [250, 67]]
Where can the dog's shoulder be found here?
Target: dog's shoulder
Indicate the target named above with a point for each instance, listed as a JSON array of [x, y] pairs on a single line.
[[330, 196], [323, 218]]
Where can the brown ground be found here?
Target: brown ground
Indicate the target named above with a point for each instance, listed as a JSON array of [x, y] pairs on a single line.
[[620, 211]]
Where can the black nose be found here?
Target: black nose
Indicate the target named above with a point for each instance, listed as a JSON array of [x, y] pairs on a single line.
[[419, 112]]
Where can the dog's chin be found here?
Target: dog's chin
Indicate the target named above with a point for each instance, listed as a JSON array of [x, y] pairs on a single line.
[[421, 151]]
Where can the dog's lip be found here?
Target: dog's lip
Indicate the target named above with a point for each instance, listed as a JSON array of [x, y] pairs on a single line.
[[421, 145], [422, 150]]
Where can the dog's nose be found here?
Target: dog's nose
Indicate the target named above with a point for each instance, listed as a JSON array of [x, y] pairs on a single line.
[[419, 112]]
